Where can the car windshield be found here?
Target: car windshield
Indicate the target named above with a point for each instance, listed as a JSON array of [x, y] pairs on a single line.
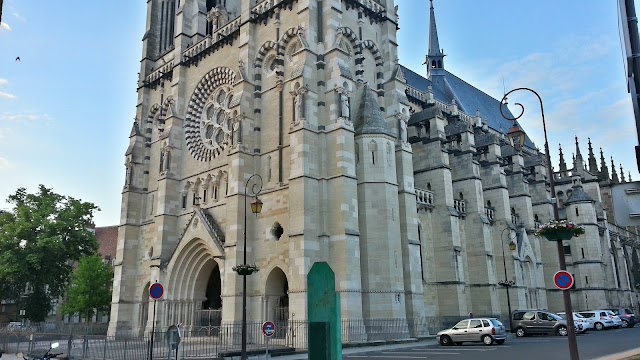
[[496, 322], [578, 316], [555, 317]]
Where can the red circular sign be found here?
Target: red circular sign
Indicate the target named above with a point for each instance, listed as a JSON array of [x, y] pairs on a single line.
[[268, 328], [156, 291], [563, 280]]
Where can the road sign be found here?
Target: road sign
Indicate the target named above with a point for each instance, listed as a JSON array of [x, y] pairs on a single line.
[[268, 328], [563, 280], [156, 291]]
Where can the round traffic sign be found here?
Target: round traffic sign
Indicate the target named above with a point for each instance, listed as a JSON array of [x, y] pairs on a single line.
[[156, 291], [563, 280], [268, 328]]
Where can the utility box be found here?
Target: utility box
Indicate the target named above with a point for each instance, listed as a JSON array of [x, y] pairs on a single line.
[[626, 203]]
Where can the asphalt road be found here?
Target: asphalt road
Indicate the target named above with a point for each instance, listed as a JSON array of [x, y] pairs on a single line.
[[591, 346]]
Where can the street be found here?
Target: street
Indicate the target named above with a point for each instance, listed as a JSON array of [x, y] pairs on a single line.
[[591, 345]]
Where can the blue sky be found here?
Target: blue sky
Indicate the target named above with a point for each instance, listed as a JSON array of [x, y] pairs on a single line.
[[66, 108]]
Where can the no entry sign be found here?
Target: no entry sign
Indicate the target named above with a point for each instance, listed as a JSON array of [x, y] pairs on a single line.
[[268, 328], [563, 280], [156, 291]]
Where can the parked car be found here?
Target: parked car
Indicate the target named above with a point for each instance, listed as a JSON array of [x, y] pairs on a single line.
[[486, 330], [579, 321], [602, 319], [15, 326], [627, 316], [528, 322]]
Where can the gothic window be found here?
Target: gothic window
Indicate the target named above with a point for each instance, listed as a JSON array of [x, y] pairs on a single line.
[[577, 212], [433, 64], [373, 147], [213, 3], [420, 247], [204, 196], [167, 25], [184, 200]]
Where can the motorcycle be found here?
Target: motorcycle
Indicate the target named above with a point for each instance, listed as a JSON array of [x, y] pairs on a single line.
[[46, 356]]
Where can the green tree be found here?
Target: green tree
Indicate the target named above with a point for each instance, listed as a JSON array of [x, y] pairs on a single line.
[[40, 238], [90, 288]]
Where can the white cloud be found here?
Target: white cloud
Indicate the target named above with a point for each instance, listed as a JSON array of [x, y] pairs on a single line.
[[18, 16], [23, 117], [4, 27], [4, 82], [4, 163], [7, 96]]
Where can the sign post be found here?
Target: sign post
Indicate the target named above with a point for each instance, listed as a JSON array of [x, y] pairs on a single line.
[[268, 330], [155, 292], [563, 280]]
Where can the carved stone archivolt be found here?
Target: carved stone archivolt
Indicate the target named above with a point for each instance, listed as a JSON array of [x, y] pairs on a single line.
[[209, 121]]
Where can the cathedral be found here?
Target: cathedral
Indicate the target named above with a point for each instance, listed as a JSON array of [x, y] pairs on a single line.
[[410, 184]]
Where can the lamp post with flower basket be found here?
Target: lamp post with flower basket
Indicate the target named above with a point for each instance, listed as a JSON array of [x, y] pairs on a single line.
[[506, 283], [559, 230], [519, 137], [245, 269]]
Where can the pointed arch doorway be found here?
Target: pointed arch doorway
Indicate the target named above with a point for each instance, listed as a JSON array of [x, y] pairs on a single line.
[[211, 313], [277, 300]]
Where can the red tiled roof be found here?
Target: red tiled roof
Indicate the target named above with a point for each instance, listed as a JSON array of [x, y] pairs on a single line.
[[107, 237]]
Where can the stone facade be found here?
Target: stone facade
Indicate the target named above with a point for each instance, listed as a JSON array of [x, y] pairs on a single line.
[[364, 164]]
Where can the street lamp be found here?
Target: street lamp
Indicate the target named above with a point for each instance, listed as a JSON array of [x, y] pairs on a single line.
[[506, 283], [256, 208], [519, 134]]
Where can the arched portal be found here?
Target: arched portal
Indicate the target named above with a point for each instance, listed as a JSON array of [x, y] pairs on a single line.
[[194, 286], [277, 297], [211, 313]]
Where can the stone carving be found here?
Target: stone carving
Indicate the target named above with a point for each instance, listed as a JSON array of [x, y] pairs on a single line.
[[344, 102], [298, 104]]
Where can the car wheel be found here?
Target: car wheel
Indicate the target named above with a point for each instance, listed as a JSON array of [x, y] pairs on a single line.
[[599, 326], [459, 343], [562, 331], [625, 324], [500, 342], [445, 340], [520, 332], [487, 340]]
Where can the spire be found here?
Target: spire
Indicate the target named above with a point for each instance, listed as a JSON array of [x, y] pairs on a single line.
[[578, 154], [435, 57], [593, 164], [563, 165], [604, 170], [622, 179], [630, 177], [614, 174], [369, 118]]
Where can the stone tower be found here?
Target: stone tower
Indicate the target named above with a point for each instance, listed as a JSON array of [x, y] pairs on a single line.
[[229, 89]]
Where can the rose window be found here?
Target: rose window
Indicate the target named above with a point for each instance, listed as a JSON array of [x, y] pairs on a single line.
[[215, 121]]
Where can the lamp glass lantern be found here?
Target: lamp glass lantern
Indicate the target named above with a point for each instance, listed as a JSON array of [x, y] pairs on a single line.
[[256, 206], [512, 246], [517, 135]]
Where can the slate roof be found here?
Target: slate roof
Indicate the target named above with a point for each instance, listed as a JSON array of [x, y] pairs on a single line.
[[578, 195], [469, 99], [369, 118]]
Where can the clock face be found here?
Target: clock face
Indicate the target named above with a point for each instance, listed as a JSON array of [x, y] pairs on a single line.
[[208, 124]]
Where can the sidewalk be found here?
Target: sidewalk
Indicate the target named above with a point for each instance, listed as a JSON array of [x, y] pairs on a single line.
[[629, 354]]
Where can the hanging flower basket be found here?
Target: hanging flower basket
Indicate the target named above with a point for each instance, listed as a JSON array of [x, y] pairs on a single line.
[[245, 269], [559, 230]]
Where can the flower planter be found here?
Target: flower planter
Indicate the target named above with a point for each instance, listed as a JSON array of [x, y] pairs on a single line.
[[245, 271], [559, 235]]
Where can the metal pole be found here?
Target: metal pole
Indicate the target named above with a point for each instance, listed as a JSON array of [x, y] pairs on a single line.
[[153, 329], [243, 351], [506, 280], [573, 344]]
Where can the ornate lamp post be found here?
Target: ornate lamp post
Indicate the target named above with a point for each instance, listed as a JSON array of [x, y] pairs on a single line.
[[245, 269], [518, 134], [506, 283]]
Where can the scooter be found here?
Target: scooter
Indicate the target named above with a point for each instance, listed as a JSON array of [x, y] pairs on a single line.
[[46, 356]]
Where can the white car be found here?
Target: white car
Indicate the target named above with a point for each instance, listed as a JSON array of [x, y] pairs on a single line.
[[602, 319], [581, 323]]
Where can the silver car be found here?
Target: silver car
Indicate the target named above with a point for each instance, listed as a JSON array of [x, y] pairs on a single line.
[[486, 330]]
